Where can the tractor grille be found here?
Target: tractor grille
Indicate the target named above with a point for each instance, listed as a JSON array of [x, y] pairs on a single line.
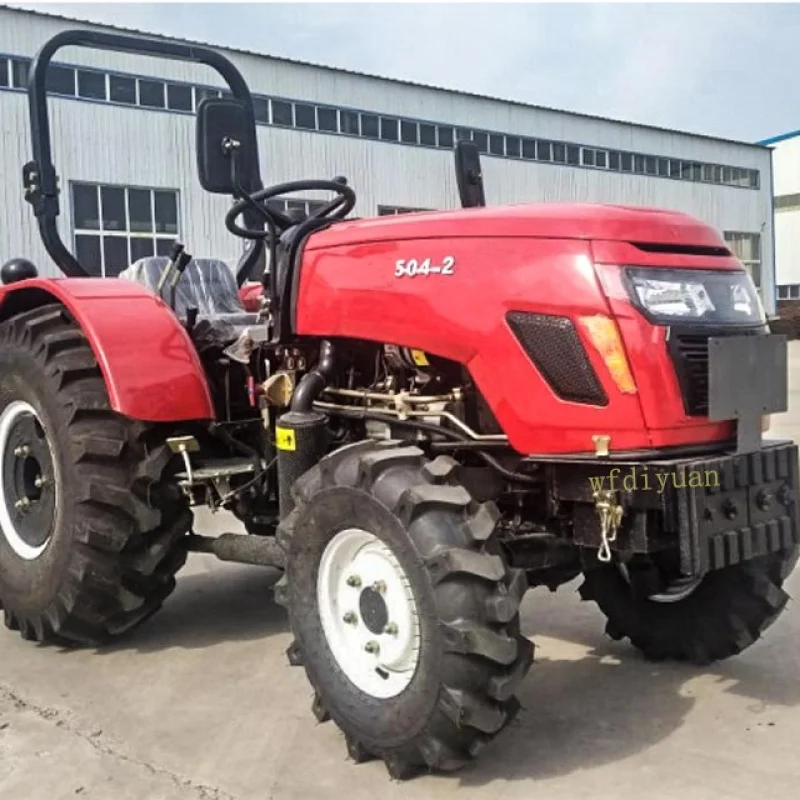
[[689, 351], [553, 344]]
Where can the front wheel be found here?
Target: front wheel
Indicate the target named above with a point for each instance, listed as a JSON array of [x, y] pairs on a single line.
[[720, 616], [405, 615]]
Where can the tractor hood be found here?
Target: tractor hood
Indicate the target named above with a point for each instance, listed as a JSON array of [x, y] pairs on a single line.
[[549, 221]]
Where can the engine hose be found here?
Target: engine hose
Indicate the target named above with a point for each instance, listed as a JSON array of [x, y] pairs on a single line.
[[457, 438], [312, 384]]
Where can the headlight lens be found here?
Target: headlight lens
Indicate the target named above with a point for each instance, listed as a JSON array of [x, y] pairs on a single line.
[[696, 295]]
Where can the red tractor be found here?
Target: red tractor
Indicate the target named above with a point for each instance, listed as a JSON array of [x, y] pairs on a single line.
[[418, 419]]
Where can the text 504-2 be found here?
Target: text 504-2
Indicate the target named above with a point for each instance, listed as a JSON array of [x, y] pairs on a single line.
[[413, 268]]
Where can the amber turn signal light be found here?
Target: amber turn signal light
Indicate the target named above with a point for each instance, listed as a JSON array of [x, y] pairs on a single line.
[[604, 335]]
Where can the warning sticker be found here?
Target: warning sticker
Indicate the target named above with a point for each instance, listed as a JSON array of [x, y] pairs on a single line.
[[420, 359], [285, 439]]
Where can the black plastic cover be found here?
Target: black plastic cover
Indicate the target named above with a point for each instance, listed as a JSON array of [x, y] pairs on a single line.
[[555, 348]]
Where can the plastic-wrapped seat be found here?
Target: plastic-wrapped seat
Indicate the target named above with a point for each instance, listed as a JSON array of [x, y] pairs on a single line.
[[207, 285]]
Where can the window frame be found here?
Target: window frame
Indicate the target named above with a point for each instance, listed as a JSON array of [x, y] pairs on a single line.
[[101, 233]]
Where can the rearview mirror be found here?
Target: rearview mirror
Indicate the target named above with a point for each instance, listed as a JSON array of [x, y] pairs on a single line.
[[469, 175], [225, 146]]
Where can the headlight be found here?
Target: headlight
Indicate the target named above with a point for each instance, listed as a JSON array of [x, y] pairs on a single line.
[[695, 295]]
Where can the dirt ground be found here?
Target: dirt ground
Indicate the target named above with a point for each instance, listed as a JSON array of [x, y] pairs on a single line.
[[200, 703]]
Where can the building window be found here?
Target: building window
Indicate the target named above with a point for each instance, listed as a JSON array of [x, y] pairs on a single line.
[[294, 205], [789, 291], [427, 135], [389, 211], [327, 120], [91, 85], [349, 122], [389, 129], [305, 116], [19, 72], [122, 89], [369, 126], [409, 134], [282, 113], [747, 248], [114, 226], [179, 97], [60, 81], [151, 94], [446, 137], [529, 148]]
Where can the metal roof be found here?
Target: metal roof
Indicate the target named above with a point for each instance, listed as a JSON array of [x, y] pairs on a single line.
[[341, 70]]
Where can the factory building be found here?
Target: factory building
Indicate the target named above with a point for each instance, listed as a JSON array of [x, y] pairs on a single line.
[[124, 147]]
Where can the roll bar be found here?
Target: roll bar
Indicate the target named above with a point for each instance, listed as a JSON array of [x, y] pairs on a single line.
[[39, 175]]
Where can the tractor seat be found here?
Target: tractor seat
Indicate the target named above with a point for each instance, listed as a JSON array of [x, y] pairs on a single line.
[[207, 285]]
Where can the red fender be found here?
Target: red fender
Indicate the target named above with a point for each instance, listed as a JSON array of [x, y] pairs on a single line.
[[150, 365]]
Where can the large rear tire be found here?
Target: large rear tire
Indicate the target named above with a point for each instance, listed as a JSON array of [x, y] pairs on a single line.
[[89, 526], [406, 616], [727, 612]]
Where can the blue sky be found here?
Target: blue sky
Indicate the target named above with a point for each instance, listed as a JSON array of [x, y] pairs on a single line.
[[722, 69]]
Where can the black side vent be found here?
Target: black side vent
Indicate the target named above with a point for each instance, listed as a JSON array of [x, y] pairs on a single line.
[[553, 344], [681, 249]]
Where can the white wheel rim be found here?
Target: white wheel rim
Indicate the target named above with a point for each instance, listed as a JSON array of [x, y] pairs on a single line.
[[11, 414], [380, 663]]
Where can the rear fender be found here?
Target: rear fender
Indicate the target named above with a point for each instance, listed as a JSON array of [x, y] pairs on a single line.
[[149, 363]]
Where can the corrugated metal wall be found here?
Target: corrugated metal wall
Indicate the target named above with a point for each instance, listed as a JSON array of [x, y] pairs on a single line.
[[132, 146]]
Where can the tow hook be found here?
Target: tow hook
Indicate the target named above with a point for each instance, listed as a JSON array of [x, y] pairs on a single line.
[[610, 514]]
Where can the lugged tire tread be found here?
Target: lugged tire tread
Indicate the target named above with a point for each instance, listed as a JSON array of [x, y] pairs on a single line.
[[465, 719], [125, 552], [725, 615]]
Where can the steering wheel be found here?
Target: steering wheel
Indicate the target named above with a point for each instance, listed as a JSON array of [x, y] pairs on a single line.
[[338, 208]]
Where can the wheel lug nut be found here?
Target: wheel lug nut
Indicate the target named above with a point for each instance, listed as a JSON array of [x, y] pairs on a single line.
[[379, 587], [22, 451], [390, 629], [40, 481], [350, 618], [372, 647], [22, 504], [354, 581]]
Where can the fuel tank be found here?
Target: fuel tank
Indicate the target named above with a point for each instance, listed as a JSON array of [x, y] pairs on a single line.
[[505, 292]]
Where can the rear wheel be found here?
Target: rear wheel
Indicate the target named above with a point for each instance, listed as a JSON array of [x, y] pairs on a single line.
[[701, 622], [406, 617], [89, 525]]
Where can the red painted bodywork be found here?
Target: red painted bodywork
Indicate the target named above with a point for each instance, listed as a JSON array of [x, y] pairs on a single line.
[[549, 259], [151, 368], [545, 259]]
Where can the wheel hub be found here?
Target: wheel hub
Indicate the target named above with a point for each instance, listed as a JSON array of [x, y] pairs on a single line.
[[28, 497], [373, 610], [368, 613]]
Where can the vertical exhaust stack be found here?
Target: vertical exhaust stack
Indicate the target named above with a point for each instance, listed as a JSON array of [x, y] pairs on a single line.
[[469, 175]]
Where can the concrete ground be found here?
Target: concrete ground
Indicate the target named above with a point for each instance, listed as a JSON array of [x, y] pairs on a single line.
[[200, 704]]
